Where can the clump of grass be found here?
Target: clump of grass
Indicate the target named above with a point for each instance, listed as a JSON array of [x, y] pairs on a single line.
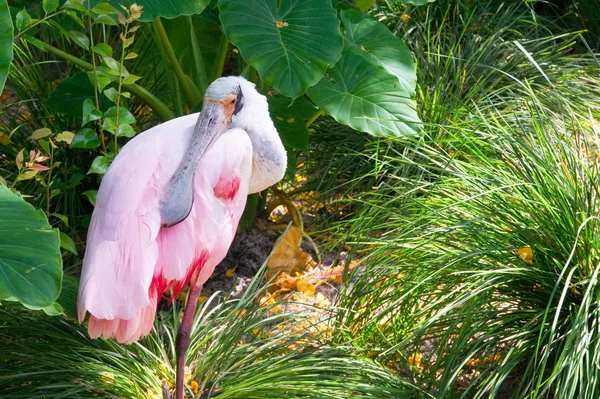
[[238, 350]]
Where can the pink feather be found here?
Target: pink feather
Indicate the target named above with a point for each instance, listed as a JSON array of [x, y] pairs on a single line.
[[130, 260]]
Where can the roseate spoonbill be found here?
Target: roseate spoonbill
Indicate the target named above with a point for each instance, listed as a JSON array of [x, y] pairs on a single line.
[[168, 208]]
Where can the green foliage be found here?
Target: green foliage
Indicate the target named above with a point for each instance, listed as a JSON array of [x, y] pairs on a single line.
[[238, 350], [69, 96], [6, 39], [157, 8], [30, 261], [283, 40]]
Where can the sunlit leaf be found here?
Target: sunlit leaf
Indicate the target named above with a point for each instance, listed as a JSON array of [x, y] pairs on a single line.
[[381, 47], [40, 133], [65, 137], [290, 43], [103, 49], [30, 260], [366, 97]]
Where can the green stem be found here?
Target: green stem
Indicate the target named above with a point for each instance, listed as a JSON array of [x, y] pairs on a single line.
[[249, 211], [198, 67], [161, 110], [314, 117], [220, 60], [171, 81], [190, 91]]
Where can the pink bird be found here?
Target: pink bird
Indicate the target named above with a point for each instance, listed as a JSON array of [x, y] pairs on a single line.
[[168, 208]]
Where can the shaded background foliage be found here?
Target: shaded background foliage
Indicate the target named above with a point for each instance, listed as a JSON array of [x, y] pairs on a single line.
[[477, 240]]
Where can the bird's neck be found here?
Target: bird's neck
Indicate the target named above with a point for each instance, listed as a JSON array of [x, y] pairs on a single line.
[[269, 158]]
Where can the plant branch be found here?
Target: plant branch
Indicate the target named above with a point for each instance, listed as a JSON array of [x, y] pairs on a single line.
[[161, 110], [191, 92], [314, 117]]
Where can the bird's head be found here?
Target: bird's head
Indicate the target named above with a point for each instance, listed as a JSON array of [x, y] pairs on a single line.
[[229, 102]]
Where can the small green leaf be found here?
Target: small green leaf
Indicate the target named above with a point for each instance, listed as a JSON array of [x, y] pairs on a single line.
[[106, 20], [100, 79], [37, 43], [112, 94], [73, 15], [124, 115], [103, 49], [22, 20], [49, 5], [131, 79], [100, 165], [62, 218], [40, 134], [91, 196], [111, 63], [90, 112], [80, 39], [125, 130], [27, 175], [67, 243], [75, 5], [65, 137], [85, 138], [131, 55], [104, 8]]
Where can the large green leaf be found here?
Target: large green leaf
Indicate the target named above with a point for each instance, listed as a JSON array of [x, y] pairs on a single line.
[[290, 119], [365, 97], [381, 47], [161, 8], [69, 95], [289, 42], [6, 42], [30, 261]]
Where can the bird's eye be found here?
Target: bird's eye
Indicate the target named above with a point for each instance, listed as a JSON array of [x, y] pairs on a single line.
[[232, 102]]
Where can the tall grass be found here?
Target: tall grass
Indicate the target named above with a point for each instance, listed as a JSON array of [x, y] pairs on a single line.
[[238, 350]]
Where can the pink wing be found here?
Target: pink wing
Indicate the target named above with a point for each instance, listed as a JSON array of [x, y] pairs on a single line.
[[130, 260]]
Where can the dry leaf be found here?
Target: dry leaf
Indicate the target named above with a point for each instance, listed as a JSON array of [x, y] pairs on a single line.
[[287, 255]]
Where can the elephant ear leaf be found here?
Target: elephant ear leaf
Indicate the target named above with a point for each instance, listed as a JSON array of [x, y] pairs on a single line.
[[6, 42], [289, 42], [371, 87], [381, 47], [30, 260]]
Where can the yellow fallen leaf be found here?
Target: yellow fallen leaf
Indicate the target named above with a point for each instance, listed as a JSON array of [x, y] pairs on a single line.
[[194, 386], [230, 273], [526, 253], [287, 255], [415, 359], [202, 298]]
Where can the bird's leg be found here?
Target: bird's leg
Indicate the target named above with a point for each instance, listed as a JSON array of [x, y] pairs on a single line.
[[182, 342]]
